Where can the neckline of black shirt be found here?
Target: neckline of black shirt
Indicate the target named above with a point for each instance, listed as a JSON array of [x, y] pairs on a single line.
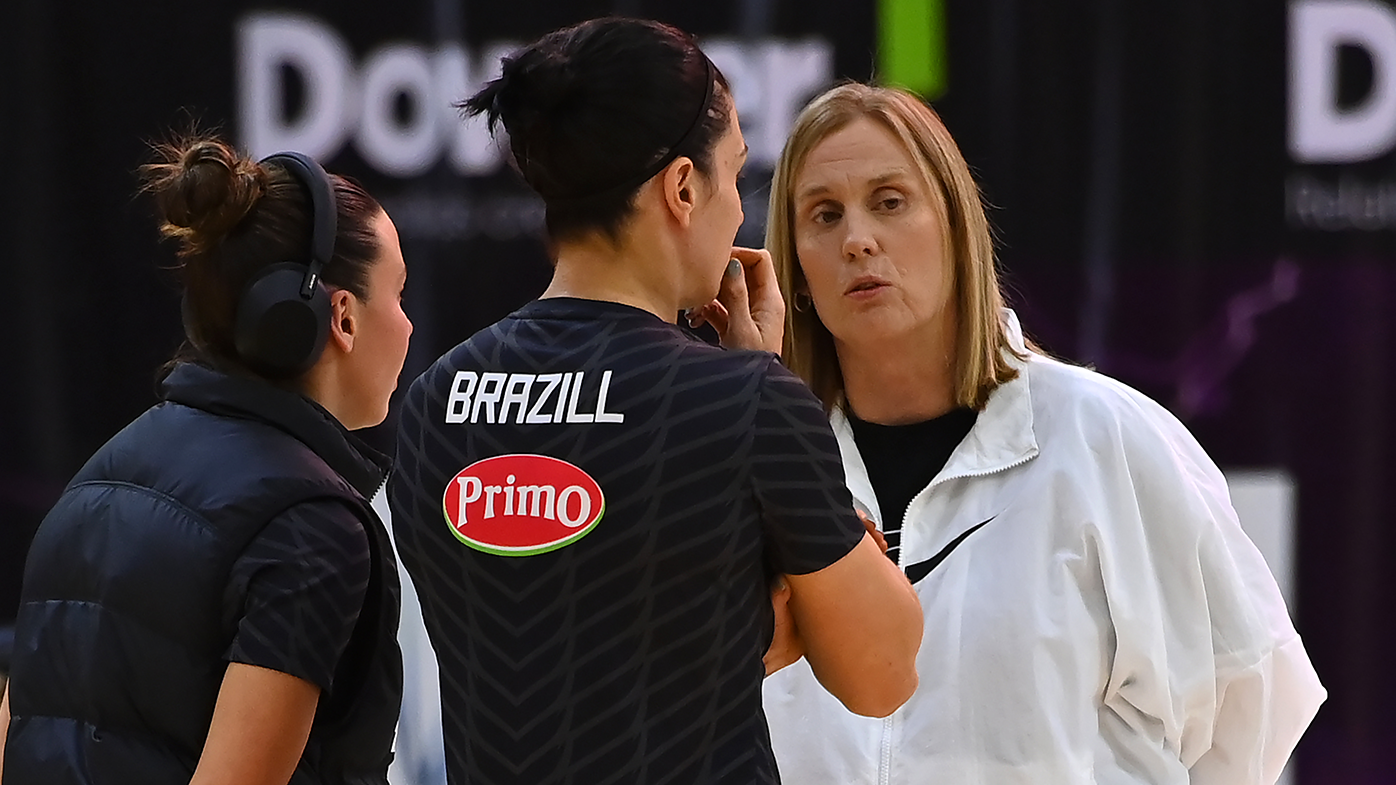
[[903, 459], [565, 307], [201, 387], [568, 307]]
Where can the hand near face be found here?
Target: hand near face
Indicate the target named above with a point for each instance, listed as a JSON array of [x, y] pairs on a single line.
[[749, 312], [786, 645]]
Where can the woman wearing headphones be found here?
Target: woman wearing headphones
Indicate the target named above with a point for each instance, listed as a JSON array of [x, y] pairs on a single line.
[[212, 596]]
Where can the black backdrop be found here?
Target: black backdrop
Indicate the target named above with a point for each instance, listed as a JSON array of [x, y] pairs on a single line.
[[1153, 218]]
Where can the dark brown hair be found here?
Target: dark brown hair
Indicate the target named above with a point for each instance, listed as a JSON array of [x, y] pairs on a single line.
[[593, 109], [234, 216]]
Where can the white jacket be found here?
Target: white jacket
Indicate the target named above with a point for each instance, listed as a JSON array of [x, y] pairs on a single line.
[[1111, 623]]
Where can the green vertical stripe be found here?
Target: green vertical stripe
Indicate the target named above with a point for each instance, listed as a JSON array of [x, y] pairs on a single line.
[[911, 45]]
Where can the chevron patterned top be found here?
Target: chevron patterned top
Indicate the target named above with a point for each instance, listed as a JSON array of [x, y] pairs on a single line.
[[610, 636]]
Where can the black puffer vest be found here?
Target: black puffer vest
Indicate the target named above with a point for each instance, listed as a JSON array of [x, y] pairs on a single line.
[[123, 620]]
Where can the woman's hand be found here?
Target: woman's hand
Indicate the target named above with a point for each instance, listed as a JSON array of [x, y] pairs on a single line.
[[873, 530], [786, 644], [748, 312]]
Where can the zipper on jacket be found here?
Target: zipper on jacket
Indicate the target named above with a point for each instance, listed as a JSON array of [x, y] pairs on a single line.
[[884, 764], [961, 476]]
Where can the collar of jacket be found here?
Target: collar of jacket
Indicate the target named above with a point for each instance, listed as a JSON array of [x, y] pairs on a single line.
[[201, 387], [1002, 436]]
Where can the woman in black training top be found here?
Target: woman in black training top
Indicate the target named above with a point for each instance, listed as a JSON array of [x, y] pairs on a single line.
[[591, 503], [212, 596]]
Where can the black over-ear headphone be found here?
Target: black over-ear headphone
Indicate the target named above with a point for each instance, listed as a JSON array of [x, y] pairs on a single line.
[[283, 316]]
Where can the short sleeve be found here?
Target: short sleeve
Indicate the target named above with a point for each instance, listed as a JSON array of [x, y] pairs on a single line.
[[300, 586], [798, 478]]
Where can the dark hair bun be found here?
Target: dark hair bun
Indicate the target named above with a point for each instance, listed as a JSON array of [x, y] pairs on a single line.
[[534, 88], [595, 110], [204, 188]]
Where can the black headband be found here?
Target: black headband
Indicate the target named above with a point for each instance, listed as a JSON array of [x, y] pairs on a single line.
[[631, 183]]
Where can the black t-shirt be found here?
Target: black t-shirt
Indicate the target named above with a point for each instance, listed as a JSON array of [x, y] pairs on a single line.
[[903, 459], [297, 590], [591, 505]]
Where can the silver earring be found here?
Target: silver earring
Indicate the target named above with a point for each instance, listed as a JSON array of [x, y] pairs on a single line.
[[802, 302]]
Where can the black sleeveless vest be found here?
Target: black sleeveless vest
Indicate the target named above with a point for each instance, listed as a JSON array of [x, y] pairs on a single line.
[[122, 624]]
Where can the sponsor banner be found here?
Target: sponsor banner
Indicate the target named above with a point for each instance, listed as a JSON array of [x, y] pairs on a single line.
[[301, 86], [1341, 118]]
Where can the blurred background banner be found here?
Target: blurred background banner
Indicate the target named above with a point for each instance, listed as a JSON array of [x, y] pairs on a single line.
[[1197, 197]]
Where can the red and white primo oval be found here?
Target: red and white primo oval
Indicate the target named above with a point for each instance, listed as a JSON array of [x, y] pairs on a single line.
[[521, 505]]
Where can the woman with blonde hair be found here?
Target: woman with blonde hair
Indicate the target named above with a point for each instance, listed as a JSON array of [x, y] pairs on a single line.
[[1093, 610]]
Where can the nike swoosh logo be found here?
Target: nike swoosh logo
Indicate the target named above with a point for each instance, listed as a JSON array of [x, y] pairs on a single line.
[[919, 570]]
